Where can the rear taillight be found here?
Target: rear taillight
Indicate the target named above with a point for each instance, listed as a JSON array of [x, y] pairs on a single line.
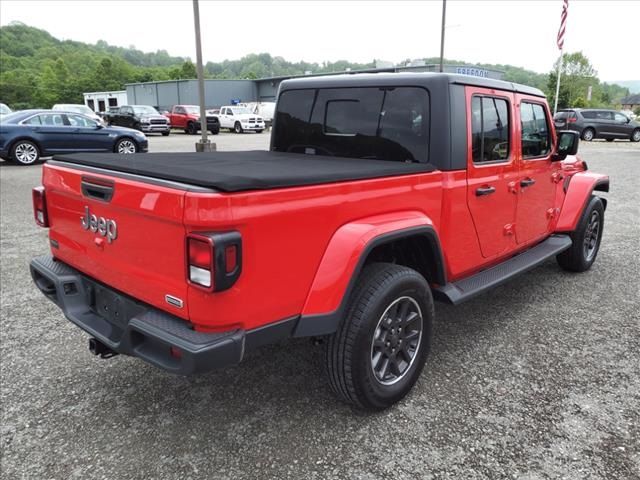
[[214, 260], [200, 252], [40, 206], [572, 120]]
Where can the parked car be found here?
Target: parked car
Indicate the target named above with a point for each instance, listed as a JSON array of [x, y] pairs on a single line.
[[77, 108], [187, 117], [379, 194], [598, 123], [264, 110], [106, 115], [141, 117], [240, 119], [27, 135], [4, 110]]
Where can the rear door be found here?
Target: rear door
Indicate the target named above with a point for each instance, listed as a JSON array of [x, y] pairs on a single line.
[[536, 182], [52, 131], [146, 255], [491, 168]]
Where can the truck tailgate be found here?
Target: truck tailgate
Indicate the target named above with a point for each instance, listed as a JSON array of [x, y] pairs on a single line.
[[137, 243]]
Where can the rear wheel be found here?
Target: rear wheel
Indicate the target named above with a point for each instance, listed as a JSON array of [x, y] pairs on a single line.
[[165, 134], [635, 136], [237, 128], [25, 152], [588, 134], [381, 346], [126, 146], [586, 239]]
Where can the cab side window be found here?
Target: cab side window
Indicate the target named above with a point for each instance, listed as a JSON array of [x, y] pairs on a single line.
[[489, 129], [536, 139]]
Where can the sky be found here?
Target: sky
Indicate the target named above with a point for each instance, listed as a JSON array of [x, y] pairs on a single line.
[[515, 32]]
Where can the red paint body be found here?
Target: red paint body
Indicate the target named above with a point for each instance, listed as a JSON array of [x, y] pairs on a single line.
[[301, 245], [181, 120]]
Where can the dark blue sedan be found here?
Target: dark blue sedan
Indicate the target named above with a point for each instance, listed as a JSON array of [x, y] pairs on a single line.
[[30, 134]]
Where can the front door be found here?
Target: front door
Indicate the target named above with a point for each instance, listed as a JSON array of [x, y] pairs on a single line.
[[537, 173], [491, 169]]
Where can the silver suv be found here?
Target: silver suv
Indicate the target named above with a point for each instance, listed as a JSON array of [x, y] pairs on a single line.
[[596, 123]]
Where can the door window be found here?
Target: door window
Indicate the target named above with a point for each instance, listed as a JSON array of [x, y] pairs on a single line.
[[489, 129], [80, 121], [180, 111], [620, 118], [536, 138]]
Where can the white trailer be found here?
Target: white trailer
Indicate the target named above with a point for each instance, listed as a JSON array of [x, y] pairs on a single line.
[[101, 101]]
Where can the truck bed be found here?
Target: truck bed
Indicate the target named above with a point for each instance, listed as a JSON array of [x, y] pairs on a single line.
[[247, 170]]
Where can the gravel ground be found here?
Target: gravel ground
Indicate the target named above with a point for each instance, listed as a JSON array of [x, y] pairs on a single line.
[[538, 379]]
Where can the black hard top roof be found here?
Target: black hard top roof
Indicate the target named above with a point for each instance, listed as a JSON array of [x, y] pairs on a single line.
[[405, 78]]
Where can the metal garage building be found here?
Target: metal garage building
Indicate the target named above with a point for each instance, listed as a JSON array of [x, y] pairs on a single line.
[[165, 94]]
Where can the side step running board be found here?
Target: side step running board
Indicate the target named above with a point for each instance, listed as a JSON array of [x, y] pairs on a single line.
[[467, 288]]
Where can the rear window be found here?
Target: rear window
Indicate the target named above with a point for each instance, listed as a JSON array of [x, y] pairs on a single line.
[[390, 123]]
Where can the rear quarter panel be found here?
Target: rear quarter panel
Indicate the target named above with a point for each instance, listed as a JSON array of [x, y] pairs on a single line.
[[285, 234]]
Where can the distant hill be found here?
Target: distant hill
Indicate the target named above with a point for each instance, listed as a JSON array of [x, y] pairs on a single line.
[[632, 85], [38, 70]]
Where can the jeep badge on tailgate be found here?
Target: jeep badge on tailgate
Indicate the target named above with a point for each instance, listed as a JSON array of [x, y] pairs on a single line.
[[100, 225]]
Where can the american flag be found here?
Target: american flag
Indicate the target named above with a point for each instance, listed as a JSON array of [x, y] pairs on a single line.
[[563, 23]]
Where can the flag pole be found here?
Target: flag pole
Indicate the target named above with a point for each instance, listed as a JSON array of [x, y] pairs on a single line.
[[560, 43], [555, 103]]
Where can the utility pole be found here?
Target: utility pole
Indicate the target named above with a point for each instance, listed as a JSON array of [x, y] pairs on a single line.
[[444, 15], [203, 145]]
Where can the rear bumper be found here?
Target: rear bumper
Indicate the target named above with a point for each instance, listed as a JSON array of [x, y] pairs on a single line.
[[133, 328]]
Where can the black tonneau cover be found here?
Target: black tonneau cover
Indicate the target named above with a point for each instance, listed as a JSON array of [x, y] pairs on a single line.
[[250, 170]]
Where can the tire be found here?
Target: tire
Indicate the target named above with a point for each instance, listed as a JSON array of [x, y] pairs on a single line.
[[165, 134], [25, 152], [588, 134], [191, 129], [258, 131], [355, 360], [610, 139], [635, 136], [586, 239], [215, 131], [237, 128], [126, 146]]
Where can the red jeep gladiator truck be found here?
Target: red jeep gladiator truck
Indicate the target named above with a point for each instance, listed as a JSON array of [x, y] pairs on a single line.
[[380, 194], [187, 117]]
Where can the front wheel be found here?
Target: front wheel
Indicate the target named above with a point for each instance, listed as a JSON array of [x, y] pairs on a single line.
[[25, 152], [191, 129], [635, 136], [258, 131], [165, 134], [588, 134], [215, 131], [586, 239], [126, 145], [237, 128], [381, 346]]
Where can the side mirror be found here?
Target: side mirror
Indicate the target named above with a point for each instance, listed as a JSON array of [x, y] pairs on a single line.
[[99, 126], [568, 141]]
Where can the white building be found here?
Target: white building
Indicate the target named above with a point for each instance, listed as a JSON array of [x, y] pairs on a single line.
[[101, 101]]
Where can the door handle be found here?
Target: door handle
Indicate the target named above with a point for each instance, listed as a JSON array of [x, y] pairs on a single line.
[[527, 182], [485, 191]]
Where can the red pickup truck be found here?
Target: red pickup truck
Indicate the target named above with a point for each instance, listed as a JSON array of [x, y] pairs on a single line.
[[187, 117], [380, 194]]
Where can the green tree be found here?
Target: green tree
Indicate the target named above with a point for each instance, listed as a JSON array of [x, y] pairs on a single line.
[[577, 75], [188, 70]]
